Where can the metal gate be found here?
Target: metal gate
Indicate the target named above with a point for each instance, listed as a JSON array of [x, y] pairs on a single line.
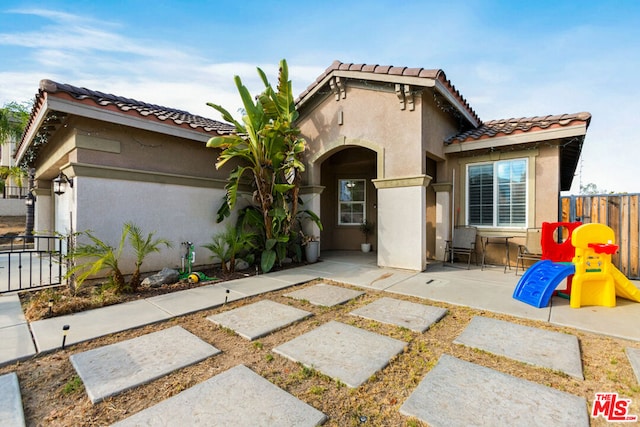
[[621, 212], [29, 262]]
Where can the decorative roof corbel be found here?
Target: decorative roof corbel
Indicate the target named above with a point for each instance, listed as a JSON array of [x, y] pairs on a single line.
[[338, 87], [405, 96]]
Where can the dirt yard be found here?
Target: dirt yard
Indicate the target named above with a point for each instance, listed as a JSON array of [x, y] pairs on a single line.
[[53, 394]]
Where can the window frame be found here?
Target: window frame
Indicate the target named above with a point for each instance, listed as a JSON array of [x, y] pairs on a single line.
[[496, 194], [362, 202]]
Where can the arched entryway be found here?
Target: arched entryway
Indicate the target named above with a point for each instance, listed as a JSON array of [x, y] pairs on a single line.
[[349, 197]]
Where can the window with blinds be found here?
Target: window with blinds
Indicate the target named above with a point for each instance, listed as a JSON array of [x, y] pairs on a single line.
[[497, 194]]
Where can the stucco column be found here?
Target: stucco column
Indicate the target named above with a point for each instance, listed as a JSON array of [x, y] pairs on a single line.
[[402, 239], [43, 213], [443, 216], [310, 196]]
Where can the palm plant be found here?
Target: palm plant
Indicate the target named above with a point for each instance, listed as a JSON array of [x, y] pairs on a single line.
[[268, 147], [142, 246], [227, 245], [96, 257], [13, 119]]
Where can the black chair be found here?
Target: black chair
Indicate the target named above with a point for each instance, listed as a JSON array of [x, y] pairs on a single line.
[[463, 243]]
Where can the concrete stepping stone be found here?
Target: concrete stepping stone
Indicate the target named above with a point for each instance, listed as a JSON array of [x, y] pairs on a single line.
[[633, 354], [11, 412], [325, 295], [259, 319], [410, 315], [553, 350], [459, 393], [112, 369], [343, 352], [237, 397]]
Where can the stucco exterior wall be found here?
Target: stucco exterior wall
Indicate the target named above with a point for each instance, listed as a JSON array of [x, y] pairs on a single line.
[[91, 142], [436, 127], [367, 115], [547, 189], [161, 183], [176, 213]]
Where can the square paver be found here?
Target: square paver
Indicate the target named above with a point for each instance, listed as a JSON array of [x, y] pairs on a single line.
[[459, 393], [410, 315], [237, 397], [553, 350], [11, 413], [112, 369], [325, 295], [343, 352], [259, 319]]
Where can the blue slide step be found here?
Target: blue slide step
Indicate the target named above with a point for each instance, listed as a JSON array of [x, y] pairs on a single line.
[[537, 285]]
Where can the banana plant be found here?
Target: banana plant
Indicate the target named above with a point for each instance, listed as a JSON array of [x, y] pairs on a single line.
[[267, 146]]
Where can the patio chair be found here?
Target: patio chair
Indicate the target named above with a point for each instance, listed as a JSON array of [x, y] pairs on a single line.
[[463, 243], [532, 249]]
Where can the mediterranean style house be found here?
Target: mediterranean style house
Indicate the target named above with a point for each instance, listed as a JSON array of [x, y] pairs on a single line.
[[399, 147]]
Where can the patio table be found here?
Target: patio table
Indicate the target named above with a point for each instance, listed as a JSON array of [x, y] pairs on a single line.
[[486, 240]]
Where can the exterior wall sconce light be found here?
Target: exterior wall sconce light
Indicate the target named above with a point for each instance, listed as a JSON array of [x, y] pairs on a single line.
[[60, 183]]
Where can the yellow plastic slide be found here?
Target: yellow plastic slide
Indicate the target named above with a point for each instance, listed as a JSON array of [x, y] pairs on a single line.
[[624, 287]]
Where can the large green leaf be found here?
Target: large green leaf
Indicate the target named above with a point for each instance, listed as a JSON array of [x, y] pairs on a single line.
[[267, 260], [283, 188], [232, 185]]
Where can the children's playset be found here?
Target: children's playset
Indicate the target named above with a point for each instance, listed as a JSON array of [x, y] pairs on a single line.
[[584, 259]]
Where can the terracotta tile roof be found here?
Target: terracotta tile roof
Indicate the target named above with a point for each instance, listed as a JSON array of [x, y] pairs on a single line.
[[496, 128], [369, 70], [163, 114]]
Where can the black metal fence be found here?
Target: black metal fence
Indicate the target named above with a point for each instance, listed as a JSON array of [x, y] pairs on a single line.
[[14, 192], [28, 262]]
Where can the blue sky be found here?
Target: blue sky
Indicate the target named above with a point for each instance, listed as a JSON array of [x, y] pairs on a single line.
[[507, 58]]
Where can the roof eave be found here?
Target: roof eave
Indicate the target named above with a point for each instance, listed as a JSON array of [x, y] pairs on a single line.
[[517, 139], [32, 130], [52, 103], [444, 91]]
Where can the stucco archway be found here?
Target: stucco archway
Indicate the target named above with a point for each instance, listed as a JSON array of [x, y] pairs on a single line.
[[316, 159], [347, 173]]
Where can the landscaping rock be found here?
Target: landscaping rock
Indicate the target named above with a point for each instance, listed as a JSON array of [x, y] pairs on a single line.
[[240, 265], [164, 277]]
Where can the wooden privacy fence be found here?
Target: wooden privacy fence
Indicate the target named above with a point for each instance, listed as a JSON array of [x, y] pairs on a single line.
[[618, 211]]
